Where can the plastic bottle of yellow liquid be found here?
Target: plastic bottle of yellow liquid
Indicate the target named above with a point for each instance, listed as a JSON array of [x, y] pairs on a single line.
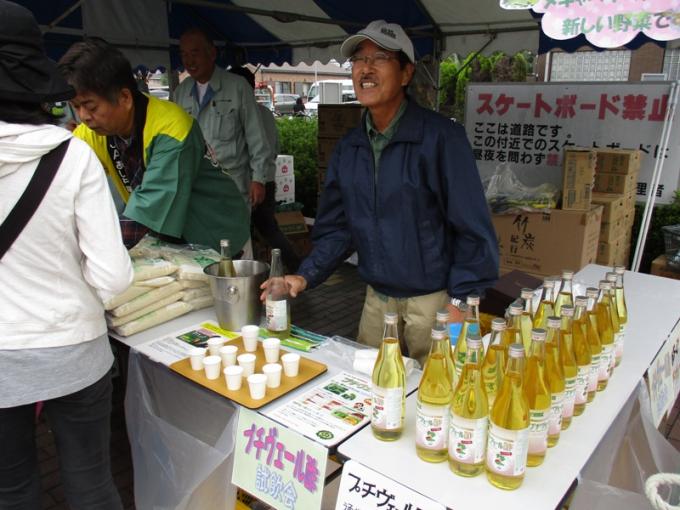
[[606, 331], [470, 326], [469, 415], [527, 319], [434, 398], [546, 306], [513, 333], [388, 388], [495, 360], [442, 322], [618, 328], [569, 370], [593, 336], [538, 395], [565, 296], [508, 440], [555, 379], [622, 310], [582, 356]]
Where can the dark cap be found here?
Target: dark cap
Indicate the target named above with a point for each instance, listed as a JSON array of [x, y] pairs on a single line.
[[26, 74]]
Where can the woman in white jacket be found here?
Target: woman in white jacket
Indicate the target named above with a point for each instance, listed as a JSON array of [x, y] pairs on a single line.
[[53, 342]]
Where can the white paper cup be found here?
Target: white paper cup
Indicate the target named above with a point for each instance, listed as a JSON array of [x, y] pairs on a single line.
[[234, 376], [196, 355], [249, 334], [271, 349], [228, 355], [214, 345], [257, 384], [273, 373], [291, 364], [247, 361], [211, 365]]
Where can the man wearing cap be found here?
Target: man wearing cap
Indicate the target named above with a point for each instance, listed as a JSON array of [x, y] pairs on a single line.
[[164, 174], [404, 191]]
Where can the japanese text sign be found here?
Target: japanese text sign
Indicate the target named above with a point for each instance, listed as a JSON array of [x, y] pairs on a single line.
[[605, 23], [660, 381], [527, 126], [362, 488], [674, 340], [276, 465]]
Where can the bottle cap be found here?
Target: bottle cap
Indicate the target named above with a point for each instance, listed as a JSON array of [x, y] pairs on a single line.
[[390, 317], [442, 315], [591, 292], [554, 322], [224, 243], [276, 251], [567, 274], [567, 311], [619, 269], [516, 351], [498, 324], [604, 284], [611, 276], [438, 333], [581, 300], [538, 334], [474, 341], [473, 300], [526, 293], [548, 282], [516, 308]]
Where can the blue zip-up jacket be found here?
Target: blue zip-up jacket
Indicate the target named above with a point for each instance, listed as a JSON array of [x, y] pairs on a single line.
[[422, 227]]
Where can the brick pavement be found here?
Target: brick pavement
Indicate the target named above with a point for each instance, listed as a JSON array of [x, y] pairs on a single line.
[[333, 308]]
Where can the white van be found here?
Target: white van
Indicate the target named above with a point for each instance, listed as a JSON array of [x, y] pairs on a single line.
[[337, 91]]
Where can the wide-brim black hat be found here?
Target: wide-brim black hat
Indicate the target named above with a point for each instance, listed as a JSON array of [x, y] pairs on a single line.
[[26, 74]]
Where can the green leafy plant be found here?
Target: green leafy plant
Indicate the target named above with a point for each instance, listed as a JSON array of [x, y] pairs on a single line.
[[667, 214]]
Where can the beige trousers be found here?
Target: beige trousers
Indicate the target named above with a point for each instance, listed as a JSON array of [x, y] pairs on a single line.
[[416, 320]]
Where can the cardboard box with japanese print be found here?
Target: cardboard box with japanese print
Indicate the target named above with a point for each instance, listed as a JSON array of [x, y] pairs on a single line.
[[545, 243], [577, 178], [335, 120], [618, 161]]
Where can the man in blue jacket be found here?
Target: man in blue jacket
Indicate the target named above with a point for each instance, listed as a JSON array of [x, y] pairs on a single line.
[[404, 191]]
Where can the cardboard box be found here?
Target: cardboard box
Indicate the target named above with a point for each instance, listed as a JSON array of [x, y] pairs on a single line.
[[285, 189], [615, 206], [545, 243], [615, 183], [507, 290], [284, 166], [618, 161], [608, 253], [577, 179], [660, 268], [611, 231], [291, 222], [335, 120], [326, 146]]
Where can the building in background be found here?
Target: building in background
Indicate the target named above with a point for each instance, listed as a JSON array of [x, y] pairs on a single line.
[[287, 79]]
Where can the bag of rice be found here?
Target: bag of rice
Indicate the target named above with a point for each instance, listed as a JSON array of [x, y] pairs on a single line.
[[156, 282], [200, 302], [191, 261], [146, 299], [190, 294], [154, 318], [132, 292], [149, 247], [193, 284], [148, 268], [114, 321]]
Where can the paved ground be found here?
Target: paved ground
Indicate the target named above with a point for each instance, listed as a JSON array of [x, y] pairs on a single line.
[[333, 309]]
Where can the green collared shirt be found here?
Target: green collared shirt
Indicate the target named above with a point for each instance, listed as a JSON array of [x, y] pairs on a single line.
[[380, 140]]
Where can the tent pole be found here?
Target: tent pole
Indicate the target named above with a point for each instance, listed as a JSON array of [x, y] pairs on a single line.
[[64, 15], [656, 176]]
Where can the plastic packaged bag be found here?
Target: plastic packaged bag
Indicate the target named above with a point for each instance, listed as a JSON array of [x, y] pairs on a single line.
[[505, 193]]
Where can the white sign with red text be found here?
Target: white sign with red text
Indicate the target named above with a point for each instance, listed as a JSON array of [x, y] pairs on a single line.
[[527, 126]]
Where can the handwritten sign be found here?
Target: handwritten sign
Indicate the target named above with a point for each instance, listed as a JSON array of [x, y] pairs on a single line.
[[660, 381], [276, 465], [362, 488], [674, 341]]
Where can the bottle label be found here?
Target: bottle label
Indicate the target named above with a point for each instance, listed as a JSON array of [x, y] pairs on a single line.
[[538, 430], [569, 397], [582, 374], [594, 371], [277, 315], [506, 450], [605, 362], [431, 426], [388, 408], [555, 420], [618, 343], [467, 439]]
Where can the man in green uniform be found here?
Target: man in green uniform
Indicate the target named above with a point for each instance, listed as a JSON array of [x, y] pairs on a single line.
[[154, 155]]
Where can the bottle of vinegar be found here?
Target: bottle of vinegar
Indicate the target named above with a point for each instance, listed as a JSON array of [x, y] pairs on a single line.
[[546, 307], [565, 296], [513, 333], [538, 395], [606, 331], [468, 418], [593, 336], [508, 440], [494, 360], [442, 322], [527, 320], [554, 379], [277, 303], [225, 266], [388, 388], [618, 328], [470, 326], [622, 310], [581, 350], [434, 398]]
